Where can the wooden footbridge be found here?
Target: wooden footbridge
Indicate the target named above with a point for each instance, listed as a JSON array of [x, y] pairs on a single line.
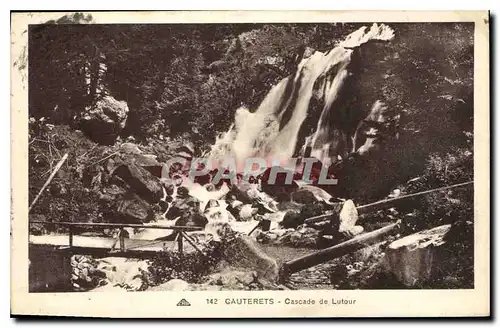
[[121, 246]]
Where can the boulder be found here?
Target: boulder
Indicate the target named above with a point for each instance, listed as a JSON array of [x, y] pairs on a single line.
[[105, 120], [242, 212], [292, 219], [303, 196], [414, 259], [348, 217], [318, 193], [214, 211], [133, 209], [192, 220], [243, 253], [183, 204], [246, 212], [150, 163], [111, 193], [147, 160], [130, 148], [140, 181]]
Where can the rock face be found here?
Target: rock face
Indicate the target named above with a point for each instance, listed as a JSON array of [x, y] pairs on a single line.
[[415, 258], [103, 122], [143, 183]]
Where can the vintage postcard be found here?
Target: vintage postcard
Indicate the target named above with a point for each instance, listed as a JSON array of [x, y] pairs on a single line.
[[251, 164]]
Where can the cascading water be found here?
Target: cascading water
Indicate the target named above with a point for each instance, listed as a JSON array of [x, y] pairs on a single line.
[[272, 131]]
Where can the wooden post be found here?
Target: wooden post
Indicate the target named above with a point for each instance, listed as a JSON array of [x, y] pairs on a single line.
[[327, 254], [257, 226], [179, 242], [190, 241], [122, 240], [70, 236]]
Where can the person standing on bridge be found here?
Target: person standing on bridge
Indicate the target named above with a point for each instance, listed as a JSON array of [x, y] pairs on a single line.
[[120, 235]]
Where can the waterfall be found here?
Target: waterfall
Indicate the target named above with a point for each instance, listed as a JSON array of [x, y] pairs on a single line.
[[272, 130]]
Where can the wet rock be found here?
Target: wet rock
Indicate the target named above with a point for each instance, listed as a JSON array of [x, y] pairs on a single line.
[[242, 212], [184, 204], [246, 212], [215, 211], [103, 122], [249, 193], [140, 181]]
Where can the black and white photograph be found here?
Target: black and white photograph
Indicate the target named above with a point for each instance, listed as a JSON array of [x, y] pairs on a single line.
[[251, 156]]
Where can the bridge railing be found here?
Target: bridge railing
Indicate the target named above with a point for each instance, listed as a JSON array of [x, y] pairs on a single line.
[[121, 235]]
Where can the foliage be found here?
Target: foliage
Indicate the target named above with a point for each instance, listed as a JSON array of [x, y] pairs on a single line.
[[69, 197], [446, 206], [191, 267]]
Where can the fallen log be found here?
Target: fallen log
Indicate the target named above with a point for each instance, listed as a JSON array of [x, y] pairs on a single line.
[[52, 175], [327, 254], [384, 203]]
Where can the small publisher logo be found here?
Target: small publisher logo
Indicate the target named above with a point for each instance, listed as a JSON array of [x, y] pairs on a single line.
[[183, 302]]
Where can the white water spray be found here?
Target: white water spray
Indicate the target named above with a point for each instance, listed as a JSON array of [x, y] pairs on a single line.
[[258, 134]]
